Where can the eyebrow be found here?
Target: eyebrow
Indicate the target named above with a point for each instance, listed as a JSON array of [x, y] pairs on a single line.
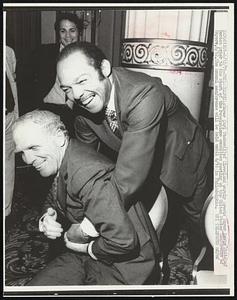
[[73, 26], [77, 79], [30, 146]]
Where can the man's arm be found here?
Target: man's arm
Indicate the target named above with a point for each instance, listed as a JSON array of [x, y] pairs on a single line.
[[117, 240], [11, 74], [138, 148], [139, 143], [84, 133]]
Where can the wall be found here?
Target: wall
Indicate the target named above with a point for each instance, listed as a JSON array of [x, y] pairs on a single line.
[[48, 19], [172, 45], [109, 34]]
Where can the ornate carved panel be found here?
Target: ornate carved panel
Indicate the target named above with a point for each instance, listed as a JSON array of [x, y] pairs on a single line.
[[164, 54]]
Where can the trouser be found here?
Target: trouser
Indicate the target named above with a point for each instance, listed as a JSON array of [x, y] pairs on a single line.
[[72, 268], [185, 211], [9, 162]]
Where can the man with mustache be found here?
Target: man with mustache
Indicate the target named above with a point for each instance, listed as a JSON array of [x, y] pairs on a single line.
[[150, 132], [107, 245]]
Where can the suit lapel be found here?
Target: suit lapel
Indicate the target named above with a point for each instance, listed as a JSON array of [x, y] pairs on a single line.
[[62, 181], [117, 106], [104, 132]]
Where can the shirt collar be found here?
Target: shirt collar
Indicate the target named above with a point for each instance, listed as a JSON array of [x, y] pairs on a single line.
[[111, 104], [63, 166], [61, 47]]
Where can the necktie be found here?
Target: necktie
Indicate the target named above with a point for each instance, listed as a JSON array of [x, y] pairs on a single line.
[[55, 188], [51, 197], [111, 118]]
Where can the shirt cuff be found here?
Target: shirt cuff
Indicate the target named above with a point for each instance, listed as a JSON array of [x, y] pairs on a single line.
[[89, 249], [41, 222], [88, 228]]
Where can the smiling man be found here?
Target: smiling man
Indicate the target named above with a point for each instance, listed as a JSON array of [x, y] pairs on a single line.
[[156, 139], [104, 243], [41, 150], [90, 89]]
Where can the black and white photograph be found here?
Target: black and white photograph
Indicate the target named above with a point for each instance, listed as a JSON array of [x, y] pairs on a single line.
[[118, 149]]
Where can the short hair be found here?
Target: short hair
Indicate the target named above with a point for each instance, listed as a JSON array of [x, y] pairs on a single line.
[[45, 119], [94, 54], [70, 17]]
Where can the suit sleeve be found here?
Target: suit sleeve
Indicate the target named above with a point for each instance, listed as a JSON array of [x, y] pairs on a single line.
[[11, 74], [56, 95], [138, 148], [117, 239], [84, 133]]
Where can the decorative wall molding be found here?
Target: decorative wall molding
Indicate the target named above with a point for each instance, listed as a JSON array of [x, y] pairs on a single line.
[[164, 54]]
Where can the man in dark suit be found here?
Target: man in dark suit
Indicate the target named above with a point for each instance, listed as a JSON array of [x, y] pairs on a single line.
[[156, 139], [110, 246]]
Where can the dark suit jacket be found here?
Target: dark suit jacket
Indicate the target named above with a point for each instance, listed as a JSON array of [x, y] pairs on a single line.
[[127, 241], [150, 116]]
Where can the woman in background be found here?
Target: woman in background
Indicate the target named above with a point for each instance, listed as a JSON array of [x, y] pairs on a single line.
[[68, 28], [46, 88]]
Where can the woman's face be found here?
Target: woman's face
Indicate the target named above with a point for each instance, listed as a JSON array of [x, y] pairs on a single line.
[[68, 32]]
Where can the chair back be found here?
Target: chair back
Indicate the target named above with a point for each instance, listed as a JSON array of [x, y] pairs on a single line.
[[207, 219], [207, 223], [159, 210]]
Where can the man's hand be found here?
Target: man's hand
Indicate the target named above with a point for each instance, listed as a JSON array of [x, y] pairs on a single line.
[[82, 233], [78, 247], [76, 235], [50, 227]]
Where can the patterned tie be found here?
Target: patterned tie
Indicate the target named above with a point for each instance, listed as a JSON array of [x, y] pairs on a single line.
[[51, 197], [55, 188], [111, 119]]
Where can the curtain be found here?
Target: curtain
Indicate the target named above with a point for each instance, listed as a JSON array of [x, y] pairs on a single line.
[[23, 34], [23, 30]]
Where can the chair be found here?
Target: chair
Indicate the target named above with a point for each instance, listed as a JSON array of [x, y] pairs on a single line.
[[159, 210], [158, 214], [207, 222]]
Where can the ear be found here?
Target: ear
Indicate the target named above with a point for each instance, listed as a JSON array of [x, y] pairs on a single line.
[[105, 67], [60, 138]]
